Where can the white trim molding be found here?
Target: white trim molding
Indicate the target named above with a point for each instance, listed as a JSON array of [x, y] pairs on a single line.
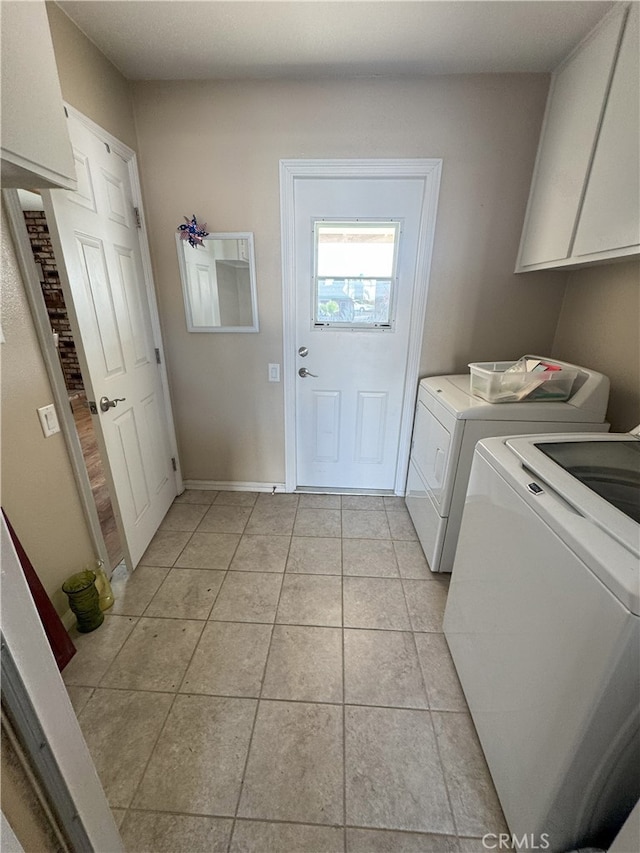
[[427, 170], [235, 486]]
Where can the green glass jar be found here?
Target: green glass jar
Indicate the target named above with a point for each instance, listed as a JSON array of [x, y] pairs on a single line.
[[84, 600]]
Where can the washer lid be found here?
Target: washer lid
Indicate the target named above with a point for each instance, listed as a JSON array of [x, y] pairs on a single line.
[[610, 469], [605, 537]]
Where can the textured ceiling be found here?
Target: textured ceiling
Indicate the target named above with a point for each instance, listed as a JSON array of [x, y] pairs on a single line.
[[218, 39]]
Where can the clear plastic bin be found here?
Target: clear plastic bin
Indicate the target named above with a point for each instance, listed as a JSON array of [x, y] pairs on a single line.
[[489, 381]]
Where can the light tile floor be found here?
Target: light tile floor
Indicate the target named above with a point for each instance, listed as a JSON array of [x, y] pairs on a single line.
[[274, 677]]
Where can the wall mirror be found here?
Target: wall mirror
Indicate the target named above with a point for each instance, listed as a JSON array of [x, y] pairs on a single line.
[[219, 283]]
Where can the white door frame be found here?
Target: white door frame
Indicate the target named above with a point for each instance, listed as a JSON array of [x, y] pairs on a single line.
[[428, 170]]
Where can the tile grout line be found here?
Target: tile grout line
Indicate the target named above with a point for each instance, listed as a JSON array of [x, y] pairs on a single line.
[[223, 531], [252, 622], [259, 697], [444, 776], [170, 708], [177, 691], [151, 752], [344, 694], [173, 701], [414, 832], [190, 618], [329, 704], [117, 654], [201, 569], [431, 723]]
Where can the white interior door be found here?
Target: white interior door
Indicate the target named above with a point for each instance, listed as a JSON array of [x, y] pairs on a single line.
[[203, 296], [355, 256], [95, 234]]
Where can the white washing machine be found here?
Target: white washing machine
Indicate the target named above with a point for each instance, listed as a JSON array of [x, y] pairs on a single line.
[[543, 623], [449, 421]]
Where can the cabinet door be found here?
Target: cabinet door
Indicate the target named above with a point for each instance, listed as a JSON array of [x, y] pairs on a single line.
[[36, 149], [610, 217], [574, 111]]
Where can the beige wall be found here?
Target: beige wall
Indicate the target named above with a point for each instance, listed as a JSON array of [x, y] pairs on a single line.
[[89, 82], [599, 326], [39, 492], [213, 149]]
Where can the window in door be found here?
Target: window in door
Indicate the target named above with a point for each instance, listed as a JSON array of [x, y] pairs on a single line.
[[355, 274]]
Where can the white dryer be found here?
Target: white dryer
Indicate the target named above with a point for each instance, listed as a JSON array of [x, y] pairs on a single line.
[[449, 421]]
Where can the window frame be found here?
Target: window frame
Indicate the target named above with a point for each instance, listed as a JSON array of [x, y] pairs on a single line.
[[351, 326]]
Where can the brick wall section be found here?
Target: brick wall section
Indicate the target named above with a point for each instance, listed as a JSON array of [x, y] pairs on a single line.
[[53, 297]]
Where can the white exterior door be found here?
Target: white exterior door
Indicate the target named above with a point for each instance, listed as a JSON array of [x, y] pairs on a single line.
[[97, 244], [358, 246]]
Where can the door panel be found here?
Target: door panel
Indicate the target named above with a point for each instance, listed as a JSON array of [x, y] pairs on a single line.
[[96, 234], [155, 443], [348, 417], [98, 307], [370, 426], [138, 333], [326, 408], [131, 461], [84, 194], [115, 198]]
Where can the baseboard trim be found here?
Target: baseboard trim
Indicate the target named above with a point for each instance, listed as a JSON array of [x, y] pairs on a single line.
[[225, 486], [332, 490]]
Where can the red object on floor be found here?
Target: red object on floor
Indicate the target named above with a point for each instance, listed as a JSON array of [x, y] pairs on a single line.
[[60, 642]]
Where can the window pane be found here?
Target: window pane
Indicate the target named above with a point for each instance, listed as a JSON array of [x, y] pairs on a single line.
[[355, 250], [355, 301], [355, 273]]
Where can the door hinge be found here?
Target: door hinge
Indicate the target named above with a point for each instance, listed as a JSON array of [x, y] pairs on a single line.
[[66, 112], [158, 359], [136, 213], [173, 463]]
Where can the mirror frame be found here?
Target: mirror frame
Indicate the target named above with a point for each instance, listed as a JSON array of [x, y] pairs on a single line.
[[220, 235]]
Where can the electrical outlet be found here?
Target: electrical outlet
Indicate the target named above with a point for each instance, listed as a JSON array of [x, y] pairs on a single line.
[[48, 420], [274, 373]]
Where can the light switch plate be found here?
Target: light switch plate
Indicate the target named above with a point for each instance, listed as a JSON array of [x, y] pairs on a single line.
[[274, 373], [48, 420]]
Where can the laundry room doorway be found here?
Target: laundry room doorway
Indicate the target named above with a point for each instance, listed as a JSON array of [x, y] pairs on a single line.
[[35, 220]]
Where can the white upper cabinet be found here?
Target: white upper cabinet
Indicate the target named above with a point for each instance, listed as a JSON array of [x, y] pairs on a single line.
[[584, 202], [610, 217], [35, 145]]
